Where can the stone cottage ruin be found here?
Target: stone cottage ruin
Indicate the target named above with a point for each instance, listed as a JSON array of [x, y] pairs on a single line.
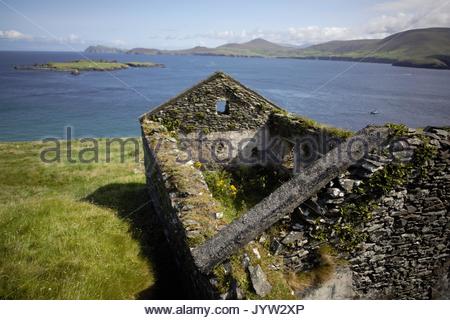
[[260, 203]]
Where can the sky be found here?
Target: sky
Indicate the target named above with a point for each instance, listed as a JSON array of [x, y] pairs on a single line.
[[62, 25]]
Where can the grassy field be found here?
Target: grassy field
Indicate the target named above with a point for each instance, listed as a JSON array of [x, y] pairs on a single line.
[[77, 230]]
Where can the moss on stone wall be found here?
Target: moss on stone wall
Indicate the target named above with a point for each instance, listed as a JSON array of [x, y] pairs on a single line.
[[397, 130], [289, 125], [358, 210], [184, 181]]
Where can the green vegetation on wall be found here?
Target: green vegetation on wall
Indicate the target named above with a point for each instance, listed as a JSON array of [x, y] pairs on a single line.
[[290, 125], [358, 210], [239, 189]]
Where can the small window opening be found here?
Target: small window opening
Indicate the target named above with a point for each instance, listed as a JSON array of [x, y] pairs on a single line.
[[306, 151], [222, 107], [220, 147], [255, 152]]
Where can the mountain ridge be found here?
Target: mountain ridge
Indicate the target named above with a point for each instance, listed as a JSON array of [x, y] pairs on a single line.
[[423, 48]]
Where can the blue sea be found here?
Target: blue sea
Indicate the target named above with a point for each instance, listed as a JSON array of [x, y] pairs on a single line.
[[39, 104]]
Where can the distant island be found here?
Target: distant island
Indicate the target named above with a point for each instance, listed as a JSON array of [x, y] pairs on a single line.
[[104, 49], [75, 67], [420, 48]]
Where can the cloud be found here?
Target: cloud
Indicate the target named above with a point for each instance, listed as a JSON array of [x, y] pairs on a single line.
[[13, 35], [294, 35], [118, 43], [400, 15], [389, 17], [388, 24], [315, 34], [71, 39], [408, 5]]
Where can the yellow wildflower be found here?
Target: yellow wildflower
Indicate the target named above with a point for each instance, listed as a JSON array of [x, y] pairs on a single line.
[[233, 190], [197, 164]]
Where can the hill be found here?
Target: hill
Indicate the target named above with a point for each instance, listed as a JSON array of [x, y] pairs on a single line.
[[103, 49], [425, 48], [256, 44], [428, 48], [146, 51], [337, 47]]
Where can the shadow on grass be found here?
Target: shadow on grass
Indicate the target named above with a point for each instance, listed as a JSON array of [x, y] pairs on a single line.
[[128, 200]]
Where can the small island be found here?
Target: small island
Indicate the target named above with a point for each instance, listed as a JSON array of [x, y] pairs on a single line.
[[76, 66]]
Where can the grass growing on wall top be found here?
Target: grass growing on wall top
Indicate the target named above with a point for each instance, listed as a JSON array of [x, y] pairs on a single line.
[[65, 229]]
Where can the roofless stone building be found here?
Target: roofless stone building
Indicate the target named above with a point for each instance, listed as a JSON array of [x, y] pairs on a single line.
[[259, 203]]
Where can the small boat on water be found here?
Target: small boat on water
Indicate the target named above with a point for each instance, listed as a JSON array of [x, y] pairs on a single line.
[[374, 112]]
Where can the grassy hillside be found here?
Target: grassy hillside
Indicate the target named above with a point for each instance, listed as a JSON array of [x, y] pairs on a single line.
[[74, 230], [256, 47], [419, 48], [342, 47], [428, 48]]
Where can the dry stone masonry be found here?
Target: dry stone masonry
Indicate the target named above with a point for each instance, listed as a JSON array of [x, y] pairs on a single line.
[[358, 216]]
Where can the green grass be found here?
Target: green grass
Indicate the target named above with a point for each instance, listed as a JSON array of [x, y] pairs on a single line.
[[90, 65], [85, 65], [68, 231]]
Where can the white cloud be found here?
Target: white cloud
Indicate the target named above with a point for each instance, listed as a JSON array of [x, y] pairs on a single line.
[[72, 39], [389, 17], [400, 15], [118, 43], [408, 5], [294, 35], [385, 25], [13, 35], [315, 34]]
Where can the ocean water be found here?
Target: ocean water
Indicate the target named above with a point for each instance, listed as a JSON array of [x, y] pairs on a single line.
[[39, 104]]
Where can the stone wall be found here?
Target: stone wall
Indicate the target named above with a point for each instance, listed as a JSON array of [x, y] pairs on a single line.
[[285, 142], [258, 147], [286, 198], [173, 201], [383, 222], [403, 250], [196, 109], [406, 254]]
